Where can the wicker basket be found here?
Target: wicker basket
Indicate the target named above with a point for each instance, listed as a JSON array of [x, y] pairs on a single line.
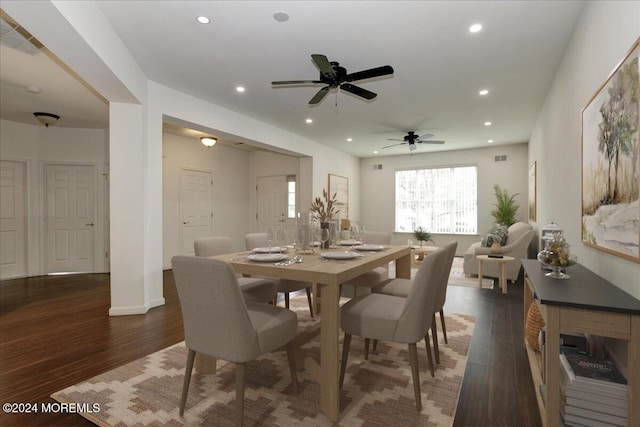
[[533, 325]]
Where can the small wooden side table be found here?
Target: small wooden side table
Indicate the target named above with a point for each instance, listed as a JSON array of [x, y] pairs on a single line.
[[502, 262], [418, 253]]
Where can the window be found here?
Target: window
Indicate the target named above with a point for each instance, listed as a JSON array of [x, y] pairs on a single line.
[[291, 196], [440, 200]]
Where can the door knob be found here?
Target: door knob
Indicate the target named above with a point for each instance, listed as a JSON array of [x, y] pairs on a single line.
[[186, 222], [90, 224]]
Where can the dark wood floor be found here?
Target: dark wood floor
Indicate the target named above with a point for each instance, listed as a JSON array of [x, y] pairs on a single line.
[[55, 331]]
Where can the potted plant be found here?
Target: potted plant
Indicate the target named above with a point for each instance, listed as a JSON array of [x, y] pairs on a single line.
[[506, 207], [323, 211], [423, 236]]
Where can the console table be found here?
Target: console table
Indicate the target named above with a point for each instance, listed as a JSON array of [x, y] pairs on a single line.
[[584, 303]]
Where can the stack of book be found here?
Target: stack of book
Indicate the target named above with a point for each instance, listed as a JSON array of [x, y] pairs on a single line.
[[594, 392]]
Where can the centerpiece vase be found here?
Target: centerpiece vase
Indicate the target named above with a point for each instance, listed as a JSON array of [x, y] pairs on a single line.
[[327, 244]]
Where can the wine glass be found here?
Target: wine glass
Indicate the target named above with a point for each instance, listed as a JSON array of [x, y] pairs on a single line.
[[270, 236], [281, 237], [324, 238], [334, 232]]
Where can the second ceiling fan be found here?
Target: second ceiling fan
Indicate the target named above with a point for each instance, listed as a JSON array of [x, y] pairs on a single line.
[[412, 139], [334, 76]]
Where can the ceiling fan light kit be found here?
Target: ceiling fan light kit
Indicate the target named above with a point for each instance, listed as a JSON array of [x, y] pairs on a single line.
[[334, 76]]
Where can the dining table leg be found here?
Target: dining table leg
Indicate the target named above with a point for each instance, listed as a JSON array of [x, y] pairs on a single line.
[[329, 352]]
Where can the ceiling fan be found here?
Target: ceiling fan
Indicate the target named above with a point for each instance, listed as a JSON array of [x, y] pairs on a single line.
[[412, 139], [334, 76]]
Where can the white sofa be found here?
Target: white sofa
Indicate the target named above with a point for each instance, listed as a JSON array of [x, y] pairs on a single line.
[[519, 237]]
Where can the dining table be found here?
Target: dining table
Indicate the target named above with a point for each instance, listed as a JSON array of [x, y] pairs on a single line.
[[327, 270]]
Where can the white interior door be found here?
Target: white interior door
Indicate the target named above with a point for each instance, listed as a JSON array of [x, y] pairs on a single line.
[[70, 218], [13, 235], [271, 202], [196, 207]]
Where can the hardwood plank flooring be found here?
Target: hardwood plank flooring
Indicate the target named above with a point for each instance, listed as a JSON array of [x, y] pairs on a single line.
[[55, 331]]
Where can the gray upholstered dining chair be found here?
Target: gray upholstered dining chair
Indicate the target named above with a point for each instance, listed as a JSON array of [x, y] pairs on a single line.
[[391, 318], [219, 323], [373, 277], [285, 286], [402, 288], [254, 289]]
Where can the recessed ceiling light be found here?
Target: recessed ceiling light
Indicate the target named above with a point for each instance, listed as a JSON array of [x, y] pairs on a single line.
[[309, 120], [375, 152], [203, 19], [483, 92], [239, 88], [281, 16], [475, 28], [487, 123], [490, 141], [349, 139]]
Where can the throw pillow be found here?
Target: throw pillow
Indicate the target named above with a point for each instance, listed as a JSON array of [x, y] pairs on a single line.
[[497, 233], [533, 325]]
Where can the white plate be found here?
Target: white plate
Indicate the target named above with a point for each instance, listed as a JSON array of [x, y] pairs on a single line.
[[350, 242], [268, 257], [341, 255], [369, 247], [270, 250]]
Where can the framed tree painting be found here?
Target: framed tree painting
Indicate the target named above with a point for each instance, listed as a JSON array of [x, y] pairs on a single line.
[[610, 162], [340, 186], [532, 192]]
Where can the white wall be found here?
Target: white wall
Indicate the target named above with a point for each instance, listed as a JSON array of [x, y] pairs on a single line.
[[602, 38], [37, 145], [378, 188]]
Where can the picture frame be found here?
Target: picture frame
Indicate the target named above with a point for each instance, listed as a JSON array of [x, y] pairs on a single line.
[[532, 197], [610, 166], [340, 186]]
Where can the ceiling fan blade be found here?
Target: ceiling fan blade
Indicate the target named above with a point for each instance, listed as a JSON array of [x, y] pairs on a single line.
[[393, 145], [324, 65], [426, 136], [296, 82], [358, 91], [367, 74], [394, 139], [320, 95], [430, 142]]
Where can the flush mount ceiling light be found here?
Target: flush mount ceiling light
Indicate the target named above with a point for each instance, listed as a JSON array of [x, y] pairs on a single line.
[[483, 92], [203, 19], [208, 141], [47, 119]]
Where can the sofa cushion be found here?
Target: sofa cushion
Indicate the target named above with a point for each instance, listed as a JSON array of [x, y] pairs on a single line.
[[516, 230], [497, 233]]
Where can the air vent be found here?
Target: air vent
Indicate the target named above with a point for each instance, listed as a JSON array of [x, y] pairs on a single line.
[[501, 158], [14, 36], [377, 166]]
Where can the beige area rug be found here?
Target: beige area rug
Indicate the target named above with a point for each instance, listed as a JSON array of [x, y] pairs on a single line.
[[378, 392]]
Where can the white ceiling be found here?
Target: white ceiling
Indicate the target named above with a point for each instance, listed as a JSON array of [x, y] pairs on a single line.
[[439, 66]]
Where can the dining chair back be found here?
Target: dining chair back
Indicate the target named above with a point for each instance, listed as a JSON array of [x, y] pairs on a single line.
[[285, 286], [255, 289], [219, 323], [398, 319]]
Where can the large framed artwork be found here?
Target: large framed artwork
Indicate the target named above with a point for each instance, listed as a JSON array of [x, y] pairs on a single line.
[[340, 186], [532, 192], [610, 162]]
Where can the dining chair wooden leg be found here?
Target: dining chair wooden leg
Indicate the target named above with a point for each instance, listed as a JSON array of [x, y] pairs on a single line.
[[367, 341], [286, 299], [240, 377], [413, 357], [374, 348], [444, 329], [345, 355], [191, 356], [309, 301], [434, 333], [429, 355], [291, 355]]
